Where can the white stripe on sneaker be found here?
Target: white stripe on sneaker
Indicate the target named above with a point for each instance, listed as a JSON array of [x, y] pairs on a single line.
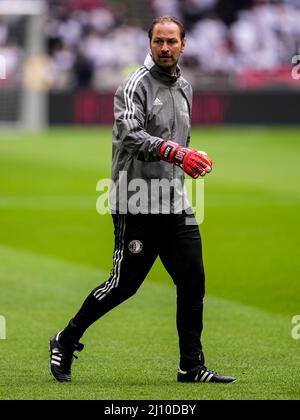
[[209, 377], [204, 376]]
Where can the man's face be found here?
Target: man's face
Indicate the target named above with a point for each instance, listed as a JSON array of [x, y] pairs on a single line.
[[166, 45]]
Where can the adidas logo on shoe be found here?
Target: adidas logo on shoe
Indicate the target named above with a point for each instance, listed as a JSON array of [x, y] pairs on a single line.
[[61, 359]]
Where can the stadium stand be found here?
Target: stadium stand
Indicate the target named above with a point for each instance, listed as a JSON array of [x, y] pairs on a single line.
[[239, 54], [91, 43]]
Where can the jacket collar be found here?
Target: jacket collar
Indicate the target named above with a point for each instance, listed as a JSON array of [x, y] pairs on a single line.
[[158, 73]]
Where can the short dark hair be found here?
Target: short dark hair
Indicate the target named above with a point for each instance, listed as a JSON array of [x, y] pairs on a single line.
[[163, 19]]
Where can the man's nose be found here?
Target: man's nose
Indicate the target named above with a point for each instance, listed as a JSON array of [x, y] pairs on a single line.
[[165, 48]]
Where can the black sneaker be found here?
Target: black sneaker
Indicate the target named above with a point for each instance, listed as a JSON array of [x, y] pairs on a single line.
[[61, 359], [202, 374]]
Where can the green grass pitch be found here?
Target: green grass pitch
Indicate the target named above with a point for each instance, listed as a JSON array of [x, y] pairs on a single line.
[[54, 248]]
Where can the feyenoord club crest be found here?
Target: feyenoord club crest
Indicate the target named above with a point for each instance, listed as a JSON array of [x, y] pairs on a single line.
[[135, 246]]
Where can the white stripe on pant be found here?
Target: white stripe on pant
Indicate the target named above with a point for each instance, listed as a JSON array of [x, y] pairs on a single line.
[[118, 257]]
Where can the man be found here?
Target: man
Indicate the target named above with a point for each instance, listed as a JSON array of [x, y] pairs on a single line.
[[150, 141]]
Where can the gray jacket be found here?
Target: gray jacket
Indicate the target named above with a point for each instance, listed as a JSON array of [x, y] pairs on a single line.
[[150, 107]]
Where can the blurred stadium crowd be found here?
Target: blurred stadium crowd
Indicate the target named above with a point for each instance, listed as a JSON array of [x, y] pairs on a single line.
[[93, 43]]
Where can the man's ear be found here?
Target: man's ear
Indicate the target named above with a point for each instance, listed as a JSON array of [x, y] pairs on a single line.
[[183, 45]]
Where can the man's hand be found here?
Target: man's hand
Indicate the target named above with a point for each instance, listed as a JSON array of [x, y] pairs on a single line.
[[192, 161]]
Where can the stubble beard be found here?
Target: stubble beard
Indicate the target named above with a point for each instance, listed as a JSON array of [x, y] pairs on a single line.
[[168, 67]]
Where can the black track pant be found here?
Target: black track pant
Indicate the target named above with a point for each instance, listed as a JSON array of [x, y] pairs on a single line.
[[139, 240]]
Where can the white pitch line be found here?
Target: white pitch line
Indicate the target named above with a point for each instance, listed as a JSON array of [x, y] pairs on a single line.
[[48, 202]]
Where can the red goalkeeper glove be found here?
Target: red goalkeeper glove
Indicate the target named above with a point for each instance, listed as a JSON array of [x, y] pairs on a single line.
[[192, 161]]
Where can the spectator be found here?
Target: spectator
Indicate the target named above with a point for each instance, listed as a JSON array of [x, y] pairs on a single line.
[[166, 8], [3, 32], [84, 72], [13, 56], [195, 10], [210, 35]]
